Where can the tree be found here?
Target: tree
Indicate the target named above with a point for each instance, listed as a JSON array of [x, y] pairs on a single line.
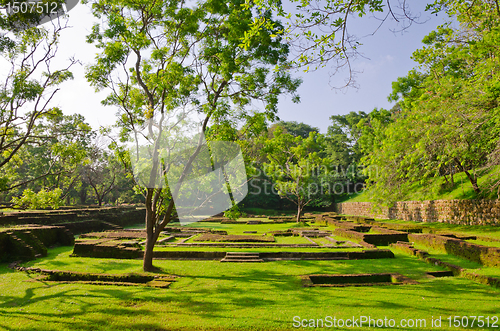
[[41, 200], [319, 32], [182, 59], [296, 129], [343, 135], [297, 170], [52, 162], [449, 105], [30, 85], [100, 172], [373, 129], [344, 150]]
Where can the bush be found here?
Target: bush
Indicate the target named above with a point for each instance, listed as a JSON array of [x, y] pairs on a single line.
[[41, 200], [234, 213]]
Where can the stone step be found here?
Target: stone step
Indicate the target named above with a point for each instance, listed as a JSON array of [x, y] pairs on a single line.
[[241, 260], [242, 257], [254, 222], [239, 257], [233, 256], [242, 253]]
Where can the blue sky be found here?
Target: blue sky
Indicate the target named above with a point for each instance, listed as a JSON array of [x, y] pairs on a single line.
[[386, 56]]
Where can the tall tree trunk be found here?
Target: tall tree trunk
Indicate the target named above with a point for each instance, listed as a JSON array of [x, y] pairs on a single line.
[[153, 228], [83, 194], [473, 181], [150, 222], [153, 224], [299, 211], [452, 172], [148, 253], [472, 178]]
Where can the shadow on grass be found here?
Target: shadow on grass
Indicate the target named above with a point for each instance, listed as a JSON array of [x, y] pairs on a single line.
[[216, 295], [54, 261], [4, 269], [75, 308]]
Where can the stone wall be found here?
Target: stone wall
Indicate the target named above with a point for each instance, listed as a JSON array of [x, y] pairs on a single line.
[[30, 242], [122, 216], [471, 212]]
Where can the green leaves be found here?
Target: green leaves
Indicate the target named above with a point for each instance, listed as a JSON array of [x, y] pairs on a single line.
[[25, 98], [449, 106], [296, 168], [41, 200], [318, 32]]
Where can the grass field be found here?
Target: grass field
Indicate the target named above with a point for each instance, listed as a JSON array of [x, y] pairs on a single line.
[[225, 296], [210, 295]]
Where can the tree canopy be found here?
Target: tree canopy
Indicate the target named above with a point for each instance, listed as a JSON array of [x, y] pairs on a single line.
[[449, 117], [164, 57]]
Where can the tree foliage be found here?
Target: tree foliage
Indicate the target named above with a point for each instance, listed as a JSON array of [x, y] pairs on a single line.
[[295, 129], [51, 162], [298, 168], [41, 200], [449, 118], [160, 57], [28, 90]]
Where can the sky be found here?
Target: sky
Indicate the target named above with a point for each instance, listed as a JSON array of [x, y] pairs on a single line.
[[385, 57]]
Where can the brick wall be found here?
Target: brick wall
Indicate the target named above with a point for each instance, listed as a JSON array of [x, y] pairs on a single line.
[[472, 212]]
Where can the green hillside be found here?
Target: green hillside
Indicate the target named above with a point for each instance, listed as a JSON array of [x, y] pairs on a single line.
[[438, 189]]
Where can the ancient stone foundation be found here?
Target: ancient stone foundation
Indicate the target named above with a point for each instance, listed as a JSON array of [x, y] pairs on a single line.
[[78, 220], [470, 212]]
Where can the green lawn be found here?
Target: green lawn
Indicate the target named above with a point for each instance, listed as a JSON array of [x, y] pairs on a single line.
[[257, 249], [485, 243], [292, 240], [210, 295], [240, 228]]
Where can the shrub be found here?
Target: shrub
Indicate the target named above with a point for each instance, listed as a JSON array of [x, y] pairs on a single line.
[[41, 200], [234, 213]]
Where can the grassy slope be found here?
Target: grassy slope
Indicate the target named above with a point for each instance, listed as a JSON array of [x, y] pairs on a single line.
[[434, 190]]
